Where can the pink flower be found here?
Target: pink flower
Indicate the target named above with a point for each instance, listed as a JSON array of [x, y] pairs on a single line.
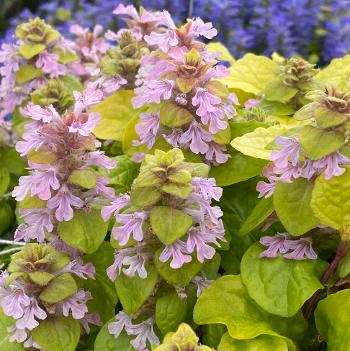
[[266, 189], [275, 244], [14, 301], [329, 165], [90, 318], [80, 269], [216, 153], [87, 99], [147, 129], [196, 137], [128, 10], [201, 283], [207, 188], [290, 152], [48, 63], [174, 137], [117, 204], [76, 304], [302, 249], [63, 202], [205, 101], [199, 28], [39, 113], [99, 159], [145, 334], [132, 225], [178, 253], [196, 241], [164, 41], [123, 321], [84, 124], [31, 312]]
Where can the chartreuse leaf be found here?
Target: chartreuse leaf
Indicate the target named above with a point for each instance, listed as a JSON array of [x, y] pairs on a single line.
[[85, 231], [105, 341], [169, 224], [27, 73], [343, 268], [215, 47], [171, 310], [277, 91], [59, 288], [180, 277], [57, 334], [11, 159], [292, 205], [251, 74], [280, 286], [116, 111], [226, 301], [260, 212], [145, 196], [102, 289], [254, 143], [260, 343], [318, 142], [134, 291], [336, 73], [65, 55], [4, 180], [41, 278], [237, 169], [332, 317], [28, 51], [173, 115], [42, 156], [331, 202], [5, 344], [85, 178]]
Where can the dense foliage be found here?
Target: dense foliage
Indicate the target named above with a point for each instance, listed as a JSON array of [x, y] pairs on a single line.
[[157, 194]]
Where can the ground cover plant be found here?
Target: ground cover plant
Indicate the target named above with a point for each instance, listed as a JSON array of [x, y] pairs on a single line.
[[157, 194]]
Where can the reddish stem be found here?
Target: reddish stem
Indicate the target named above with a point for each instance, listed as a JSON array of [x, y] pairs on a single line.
[[310, 304]]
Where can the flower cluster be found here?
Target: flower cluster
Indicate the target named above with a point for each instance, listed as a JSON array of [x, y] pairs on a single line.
[[291, 162], [37, 285], [62, 157], [181, 77], [39, 54], [177, 194], [291, 249]]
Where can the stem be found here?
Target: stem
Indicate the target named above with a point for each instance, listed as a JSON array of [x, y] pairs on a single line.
[[14, 249], [11, 242], [310, 304], [190, 8]]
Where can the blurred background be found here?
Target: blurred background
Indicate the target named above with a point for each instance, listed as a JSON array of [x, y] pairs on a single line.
[[318, 30]]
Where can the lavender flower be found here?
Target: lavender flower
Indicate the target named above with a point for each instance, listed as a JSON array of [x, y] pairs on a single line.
[[275, 244]]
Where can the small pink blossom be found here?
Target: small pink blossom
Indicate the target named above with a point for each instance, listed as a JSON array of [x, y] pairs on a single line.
[[147, 129], [275, 244], [301, 249], [119, 203], [196, 137], [178, 253]]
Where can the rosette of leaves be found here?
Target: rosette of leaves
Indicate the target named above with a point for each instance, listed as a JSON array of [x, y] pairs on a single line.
[[124, 60], [295, 78], [184, 339]]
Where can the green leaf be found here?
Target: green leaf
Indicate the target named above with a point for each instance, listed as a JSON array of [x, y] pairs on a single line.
[[102, 289], [59, 288], [107, 342], [10, 158], [134, 291], [318, 142], [254, 143], [180, 190], [332, 317], [28, 51], [4, 180], [116, 111], [41, 278], [259, 214], [261, 343], [212, 334], [27, 73], [57, 334], [122, 176], [251, 74], [169, 224], [292, 205], [143, 197], [331, 202], [280, 286], [226, 301], [343, 268], [71, 82], [85, 178], [237, 169], [277, 91], [6, 216], [65, 55], [85, 231], [180, 277], [5, 344], [173, 115], [171, 310], [336, 74]]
